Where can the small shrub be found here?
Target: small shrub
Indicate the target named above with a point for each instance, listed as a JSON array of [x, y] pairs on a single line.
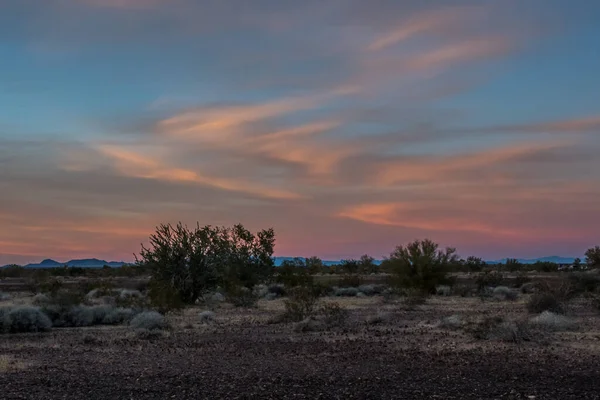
[[277, 289], [489, 279], [352, 281], [443, 290], [584, 282], [462, 290], [379, 318], [552, 321], [119, 316], [25, 319], [310, 324], [497, 328], [149, 320], [415, 297], [260, 291], [81, 316], [4, 320], [510, 331], [372, 290], [451, 322], [528, 288], [206, 317], [521, 279], [40, 300], [5, 296], [504, 293], [300, 305], [270, 296], [333, 313], [241, 296], [345, 292], [544, 301], [149, 334]]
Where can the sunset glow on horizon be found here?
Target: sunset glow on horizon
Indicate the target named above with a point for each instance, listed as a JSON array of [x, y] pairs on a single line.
[[348, 126]]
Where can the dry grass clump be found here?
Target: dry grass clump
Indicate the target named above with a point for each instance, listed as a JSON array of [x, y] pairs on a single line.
[[8, 364], [149, 320], [554, 322], [451, 322], [380, 317], [504, 293], [206, 317]]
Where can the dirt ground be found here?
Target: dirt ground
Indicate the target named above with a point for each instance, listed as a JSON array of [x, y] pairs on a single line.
[[240, 355]]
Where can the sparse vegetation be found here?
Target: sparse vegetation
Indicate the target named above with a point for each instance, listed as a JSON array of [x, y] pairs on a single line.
[[551, 321], [504, 293], [149, 321]]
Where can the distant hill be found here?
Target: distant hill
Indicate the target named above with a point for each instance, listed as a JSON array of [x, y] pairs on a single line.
[[553, 259], [84, 263], [96, 263]]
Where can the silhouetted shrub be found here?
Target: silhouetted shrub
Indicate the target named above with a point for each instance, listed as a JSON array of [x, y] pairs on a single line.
[[149, 320], [489, 279], [584, 282], [277, 289], [188, 262], [300, 304], [544, 301], [421, 265], [521, 279], [241, 296], [333, 314]]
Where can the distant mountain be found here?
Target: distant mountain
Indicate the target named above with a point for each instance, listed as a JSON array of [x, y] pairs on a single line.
[[553, 259], [85, 263]]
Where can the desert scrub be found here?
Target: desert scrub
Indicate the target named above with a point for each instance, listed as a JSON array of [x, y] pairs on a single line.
[[333, 314], [149, 320], [443, 290], [41, 299], [545, 301], [5, 296], [504, 293], [554, 322], [23, 320], [451, 322], [489, 279], [278, 290], [372, 290], [119, 316], [241, 296], [206, 317], [346, 292], [300, 305], [380, 317], [498, 328]]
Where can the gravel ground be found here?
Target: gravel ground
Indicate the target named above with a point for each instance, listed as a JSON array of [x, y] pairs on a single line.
[[240, 356]]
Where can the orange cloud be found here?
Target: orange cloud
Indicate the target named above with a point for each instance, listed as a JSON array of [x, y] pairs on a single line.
[[432, 21], [133, 164], [444, 168]]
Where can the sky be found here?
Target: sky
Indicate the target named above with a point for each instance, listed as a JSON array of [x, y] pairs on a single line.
[[349, 126]]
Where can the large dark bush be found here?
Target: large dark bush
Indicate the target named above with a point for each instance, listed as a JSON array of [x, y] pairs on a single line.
[[185, 263], [421, 265]]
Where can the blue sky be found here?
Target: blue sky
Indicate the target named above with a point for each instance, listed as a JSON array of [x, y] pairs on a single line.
[[348, 126]]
